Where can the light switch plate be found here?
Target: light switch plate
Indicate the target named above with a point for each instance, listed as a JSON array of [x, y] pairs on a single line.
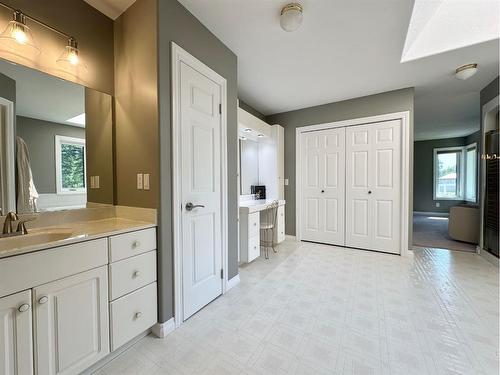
[[96, 182], [286, 181], [438, 204], [92, 182], [146, 181], [139, 181]]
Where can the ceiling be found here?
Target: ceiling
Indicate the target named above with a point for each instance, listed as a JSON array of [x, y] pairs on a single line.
[[343, 50], [44, 97], [111, 8]]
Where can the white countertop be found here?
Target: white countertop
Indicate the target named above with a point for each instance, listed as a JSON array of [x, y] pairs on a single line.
[[255, 205], [78, 232]]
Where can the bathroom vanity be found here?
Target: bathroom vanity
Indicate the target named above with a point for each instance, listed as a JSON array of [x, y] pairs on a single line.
[[66, 304]]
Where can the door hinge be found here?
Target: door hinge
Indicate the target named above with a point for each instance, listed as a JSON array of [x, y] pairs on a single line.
[[221, 274], [220, 109]]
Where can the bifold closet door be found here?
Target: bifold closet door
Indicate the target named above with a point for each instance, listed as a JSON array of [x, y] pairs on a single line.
[[323, 186], [373, 184]]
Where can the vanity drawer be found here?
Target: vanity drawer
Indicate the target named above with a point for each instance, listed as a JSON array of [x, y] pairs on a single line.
[[130, 244], [253, 224], [132, 315], [253, 248], [132, 273]]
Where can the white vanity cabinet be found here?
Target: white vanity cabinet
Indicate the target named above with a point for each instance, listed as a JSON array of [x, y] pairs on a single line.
[[71, 323], [249, 236], [16, 340], [279, 233], [63, 309]]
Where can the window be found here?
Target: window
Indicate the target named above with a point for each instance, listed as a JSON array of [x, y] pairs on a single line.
[[70, 165], [455, 173]]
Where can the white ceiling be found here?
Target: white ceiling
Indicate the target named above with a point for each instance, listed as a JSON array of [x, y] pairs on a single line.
[[111, 8], [44, 97], [345, 49]]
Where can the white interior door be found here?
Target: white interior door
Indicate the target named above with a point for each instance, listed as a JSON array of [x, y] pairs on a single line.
[[323, 186], [200, 128], [373, 186]]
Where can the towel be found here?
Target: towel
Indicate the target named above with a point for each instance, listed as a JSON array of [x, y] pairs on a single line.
[[26, 191]]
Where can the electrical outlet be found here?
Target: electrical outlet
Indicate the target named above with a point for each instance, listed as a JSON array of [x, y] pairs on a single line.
[[438, 204], [139, 181], [146, 181]]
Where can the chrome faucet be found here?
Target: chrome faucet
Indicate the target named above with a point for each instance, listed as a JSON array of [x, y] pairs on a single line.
[[10, 218]]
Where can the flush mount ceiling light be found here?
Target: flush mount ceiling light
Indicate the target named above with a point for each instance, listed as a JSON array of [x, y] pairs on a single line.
[[17, 35], [248, 130], [291, 17], [260, 135], [243, 138], [466, 71]]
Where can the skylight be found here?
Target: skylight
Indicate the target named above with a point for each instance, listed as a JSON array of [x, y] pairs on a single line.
[[77, 120], [437, 26]]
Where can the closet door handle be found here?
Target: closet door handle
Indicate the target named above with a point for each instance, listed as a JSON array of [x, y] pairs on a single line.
[[369, 191]]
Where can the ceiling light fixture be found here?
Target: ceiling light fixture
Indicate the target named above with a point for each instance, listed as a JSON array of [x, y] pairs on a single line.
[[243, 138], [466, 71], [260, 135], [17, 35], [291, 17], [247, 130]]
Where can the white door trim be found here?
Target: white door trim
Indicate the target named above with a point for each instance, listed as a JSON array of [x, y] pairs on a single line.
[[10, 157], [177, 55], [404, 117], [487, 108]]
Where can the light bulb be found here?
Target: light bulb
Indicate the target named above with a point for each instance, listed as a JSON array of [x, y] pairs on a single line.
[[17, 37], [20, 36], [73, 58]]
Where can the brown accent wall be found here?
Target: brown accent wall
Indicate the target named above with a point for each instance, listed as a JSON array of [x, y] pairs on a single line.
[[92, 29], [99, 145], [136, 104]]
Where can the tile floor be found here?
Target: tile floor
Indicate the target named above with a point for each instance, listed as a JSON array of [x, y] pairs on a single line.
[[315, 309]]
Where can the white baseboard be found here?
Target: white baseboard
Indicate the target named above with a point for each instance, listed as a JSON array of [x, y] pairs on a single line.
[[439, 214], [161, 330], [490, 257], [290, 237], [233, 282]]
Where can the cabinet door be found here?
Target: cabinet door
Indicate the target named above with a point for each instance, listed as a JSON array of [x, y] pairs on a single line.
[[16, 344], [279, 232], [71, 323]]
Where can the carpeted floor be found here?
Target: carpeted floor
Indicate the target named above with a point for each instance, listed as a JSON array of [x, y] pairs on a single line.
[[432, 231]]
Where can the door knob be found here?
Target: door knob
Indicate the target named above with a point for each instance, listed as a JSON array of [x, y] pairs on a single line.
[[43, 300], [369, 191], [322, 191], [190, 206]]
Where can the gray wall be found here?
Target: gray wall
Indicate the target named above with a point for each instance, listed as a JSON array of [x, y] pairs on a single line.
[[388, 102], [251, 110], [40, 135], [7, 88], [423, 173], [176, 24]]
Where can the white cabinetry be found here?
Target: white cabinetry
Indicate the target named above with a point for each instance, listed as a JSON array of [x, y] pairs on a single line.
[[279, 233], [16, 343], [71, 322], [249, 237]]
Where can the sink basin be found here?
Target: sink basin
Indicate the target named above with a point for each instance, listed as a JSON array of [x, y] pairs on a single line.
[[33, 238]]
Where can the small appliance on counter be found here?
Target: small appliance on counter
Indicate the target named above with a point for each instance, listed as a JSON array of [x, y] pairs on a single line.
[[259, 191]]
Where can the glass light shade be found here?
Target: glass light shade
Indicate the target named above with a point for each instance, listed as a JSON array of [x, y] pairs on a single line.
[[17, 36], [70, 57], [291, 17]]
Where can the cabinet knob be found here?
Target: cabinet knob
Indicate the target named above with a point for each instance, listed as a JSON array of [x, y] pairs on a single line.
[[138, 315], [135, 244], [43, 300], [24, 307], [136, 274]]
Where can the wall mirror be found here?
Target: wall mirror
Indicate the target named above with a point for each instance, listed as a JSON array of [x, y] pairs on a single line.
[[249, 165], [56, 142]]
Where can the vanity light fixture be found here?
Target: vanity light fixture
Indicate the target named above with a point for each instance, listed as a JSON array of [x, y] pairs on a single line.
[[291, 17], [466, 71], [17, 35], [70, 56], [260, 135]]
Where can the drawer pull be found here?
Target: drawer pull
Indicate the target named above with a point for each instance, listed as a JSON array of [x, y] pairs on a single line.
[[43, 300], [24, 307], [136, 244], [136, 274], [137, 315]]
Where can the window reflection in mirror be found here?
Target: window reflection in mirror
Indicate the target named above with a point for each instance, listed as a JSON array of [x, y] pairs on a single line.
[[249, 165], [49, 142]]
